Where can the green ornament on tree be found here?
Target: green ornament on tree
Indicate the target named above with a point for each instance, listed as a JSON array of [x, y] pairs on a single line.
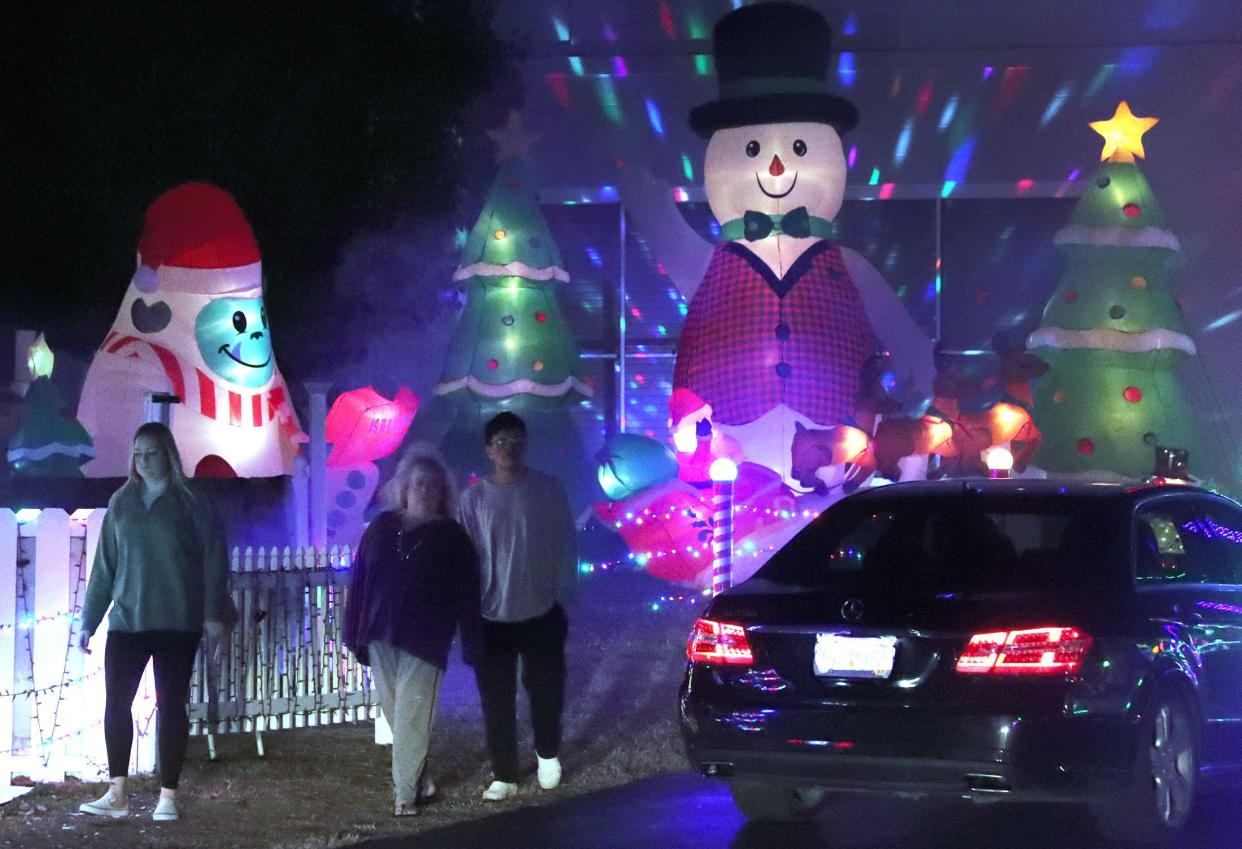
[[1112, 333], [512, 348]]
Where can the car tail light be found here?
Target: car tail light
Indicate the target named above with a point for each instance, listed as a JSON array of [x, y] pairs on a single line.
[[1030, 651], [718, 642]]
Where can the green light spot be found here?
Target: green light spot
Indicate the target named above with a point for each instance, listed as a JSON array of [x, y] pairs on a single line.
[[1106, 664], [947, 188], [608, 99], [702, 64], [687, 167], [1101, 77], [575, 65], [875, 177]]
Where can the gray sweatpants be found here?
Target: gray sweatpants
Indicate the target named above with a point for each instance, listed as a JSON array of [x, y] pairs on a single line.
[[408, 688]]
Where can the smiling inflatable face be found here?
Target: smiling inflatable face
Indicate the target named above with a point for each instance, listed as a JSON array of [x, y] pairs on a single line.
[[234, 340], [773, 168]]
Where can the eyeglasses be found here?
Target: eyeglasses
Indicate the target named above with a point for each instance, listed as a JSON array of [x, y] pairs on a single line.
[[509, 441]]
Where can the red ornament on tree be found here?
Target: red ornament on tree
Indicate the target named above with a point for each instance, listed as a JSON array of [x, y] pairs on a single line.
[[1071, 296], [1086, 446], [1133, 394], [541, 317], [493, 364], [1131, 210]]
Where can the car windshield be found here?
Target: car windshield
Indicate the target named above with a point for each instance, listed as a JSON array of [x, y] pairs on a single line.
[[961, 543]]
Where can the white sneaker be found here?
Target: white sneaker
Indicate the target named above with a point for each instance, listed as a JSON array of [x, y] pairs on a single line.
[[106, 805], [549, 772], [498, 791], [165, 810]]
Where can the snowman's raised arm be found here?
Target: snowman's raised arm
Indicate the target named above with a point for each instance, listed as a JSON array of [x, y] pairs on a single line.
[[649, 201], [905, 340]]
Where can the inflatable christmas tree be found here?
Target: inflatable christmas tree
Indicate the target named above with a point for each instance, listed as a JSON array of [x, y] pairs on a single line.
[[512, 348], [1112, 333], [52, 443]]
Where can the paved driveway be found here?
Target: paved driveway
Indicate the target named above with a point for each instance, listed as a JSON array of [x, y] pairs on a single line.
[[684, 811]]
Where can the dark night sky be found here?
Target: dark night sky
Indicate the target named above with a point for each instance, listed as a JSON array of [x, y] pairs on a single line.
[[323, 119]]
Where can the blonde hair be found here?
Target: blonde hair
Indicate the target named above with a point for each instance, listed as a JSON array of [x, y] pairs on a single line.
[[420, 457], [164, 441]]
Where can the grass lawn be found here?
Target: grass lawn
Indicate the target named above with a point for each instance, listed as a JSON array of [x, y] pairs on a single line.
[[320, 787]]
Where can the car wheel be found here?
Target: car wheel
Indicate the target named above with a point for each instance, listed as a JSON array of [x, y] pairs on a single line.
[[775, 802], [1157, 803]]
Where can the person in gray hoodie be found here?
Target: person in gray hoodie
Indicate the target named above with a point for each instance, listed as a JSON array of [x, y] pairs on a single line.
[[162, 567]]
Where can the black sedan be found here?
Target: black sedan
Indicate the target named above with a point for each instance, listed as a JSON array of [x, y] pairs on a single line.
[[1003, 641]]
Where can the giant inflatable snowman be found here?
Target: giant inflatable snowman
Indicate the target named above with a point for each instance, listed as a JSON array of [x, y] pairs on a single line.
[[782, 321], [192, 324]]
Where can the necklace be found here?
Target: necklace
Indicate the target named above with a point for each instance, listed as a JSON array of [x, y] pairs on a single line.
[[405, 553]]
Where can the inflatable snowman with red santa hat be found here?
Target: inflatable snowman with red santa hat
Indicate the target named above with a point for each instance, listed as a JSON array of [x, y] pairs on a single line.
[[193, 325], [782, 321]]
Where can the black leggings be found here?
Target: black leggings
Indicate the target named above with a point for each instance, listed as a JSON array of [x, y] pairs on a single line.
[[125, 659]]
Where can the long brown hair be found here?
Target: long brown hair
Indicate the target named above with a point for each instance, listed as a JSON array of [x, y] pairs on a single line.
[[425, 458], [164, 441]]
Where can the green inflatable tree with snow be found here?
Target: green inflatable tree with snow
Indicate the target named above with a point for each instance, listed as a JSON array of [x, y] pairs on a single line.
[[1112, 333], [512, 348], [51, 443]]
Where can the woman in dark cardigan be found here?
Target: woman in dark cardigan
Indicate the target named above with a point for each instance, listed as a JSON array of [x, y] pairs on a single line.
[[415, 581]]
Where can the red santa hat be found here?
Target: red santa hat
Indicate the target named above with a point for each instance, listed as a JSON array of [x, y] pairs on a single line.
[[686, 403], [195, 238]]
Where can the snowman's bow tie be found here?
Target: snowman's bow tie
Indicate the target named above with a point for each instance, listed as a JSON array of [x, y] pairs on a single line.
[[759, 225]]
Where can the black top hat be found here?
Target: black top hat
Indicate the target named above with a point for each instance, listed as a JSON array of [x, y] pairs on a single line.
[[771, 63]]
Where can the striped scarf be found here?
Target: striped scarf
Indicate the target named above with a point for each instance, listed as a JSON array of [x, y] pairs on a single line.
[[201, 392]]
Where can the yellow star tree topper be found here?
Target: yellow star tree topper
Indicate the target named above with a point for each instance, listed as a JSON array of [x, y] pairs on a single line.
[[1123, 134], [39, 359]]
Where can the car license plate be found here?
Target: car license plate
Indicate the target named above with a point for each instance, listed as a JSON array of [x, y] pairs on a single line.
[[854, 657]]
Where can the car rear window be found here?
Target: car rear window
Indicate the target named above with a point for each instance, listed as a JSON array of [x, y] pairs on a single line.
[[966, 543]]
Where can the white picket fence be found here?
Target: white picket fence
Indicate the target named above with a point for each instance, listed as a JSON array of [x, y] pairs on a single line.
[[283, 666]]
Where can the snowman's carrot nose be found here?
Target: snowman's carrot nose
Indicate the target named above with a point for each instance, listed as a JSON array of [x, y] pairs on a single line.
[[777, 167]]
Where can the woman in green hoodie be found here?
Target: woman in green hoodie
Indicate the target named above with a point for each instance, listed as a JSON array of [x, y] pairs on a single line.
[[162, 566]]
